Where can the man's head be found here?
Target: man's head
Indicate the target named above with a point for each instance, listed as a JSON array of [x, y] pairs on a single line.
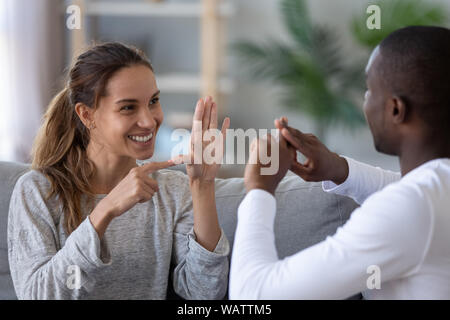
[[408, 88]]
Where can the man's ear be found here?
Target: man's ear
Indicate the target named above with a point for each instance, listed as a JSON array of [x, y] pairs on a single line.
[[397, 109], [84, 113]]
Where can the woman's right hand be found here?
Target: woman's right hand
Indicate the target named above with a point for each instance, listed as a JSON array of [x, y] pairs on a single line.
[[136, 187]]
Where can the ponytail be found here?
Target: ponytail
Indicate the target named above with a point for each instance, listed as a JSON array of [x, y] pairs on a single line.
[[59, 152]]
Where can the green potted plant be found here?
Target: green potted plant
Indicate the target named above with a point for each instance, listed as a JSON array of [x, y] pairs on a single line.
[[396, 14], [310, 70]]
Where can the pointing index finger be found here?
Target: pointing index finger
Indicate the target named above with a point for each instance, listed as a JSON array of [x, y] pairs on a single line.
[[155, 166]]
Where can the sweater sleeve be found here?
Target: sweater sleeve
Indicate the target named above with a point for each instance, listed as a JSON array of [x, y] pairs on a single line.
[[363, 180], [40, 267], [199, 273]]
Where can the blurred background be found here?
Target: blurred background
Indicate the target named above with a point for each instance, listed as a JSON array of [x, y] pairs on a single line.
[[260, 59]]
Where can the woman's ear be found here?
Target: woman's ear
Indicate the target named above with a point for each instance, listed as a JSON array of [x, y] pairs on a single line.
[[85, 114]]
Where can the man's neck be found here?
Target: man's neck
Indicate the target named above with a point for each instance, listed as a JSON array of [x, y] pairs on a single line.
[[414, 155]]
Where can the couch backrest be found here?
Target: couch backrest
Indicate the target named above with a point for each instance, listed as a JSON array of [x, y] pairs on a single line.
[[305, 214], [9, 173]]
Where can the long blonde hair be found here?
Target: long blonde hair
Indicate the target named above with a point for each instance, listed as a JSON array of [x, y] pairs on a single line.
[[59, 150]]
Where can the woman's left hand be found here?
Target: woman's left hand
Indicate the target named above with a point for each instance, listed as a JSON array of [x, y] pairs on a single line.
[[207, 142]]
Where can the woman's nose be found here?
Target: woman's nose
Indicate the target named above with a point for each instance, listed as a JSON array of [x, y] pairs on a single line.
[[146, 119]]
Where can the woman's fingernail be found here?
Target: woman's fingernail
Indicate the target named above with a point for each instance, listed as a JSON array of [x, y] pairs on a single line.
[[176, 160]]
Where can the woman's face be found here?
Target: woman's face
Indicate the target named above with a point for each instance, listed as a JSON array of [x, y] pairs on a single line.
[[129, 115]]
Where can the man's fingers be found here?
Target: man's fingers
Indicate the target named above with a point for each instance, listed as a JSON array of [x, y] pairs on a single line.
[[307, 162], [281, 123], [295, 132], [300, 170], [298, 139], [278, 124], [155, 166], [284, 143], [295, 139]]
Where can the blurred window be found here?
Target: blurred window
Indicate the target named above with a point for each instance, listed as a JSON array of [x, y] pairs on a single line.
[[5, 89]]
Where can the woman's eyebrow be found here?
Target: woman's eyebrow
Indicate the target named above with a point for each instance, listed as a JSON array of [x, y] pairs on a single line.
[[134, 100], [126, 100], [156, 93]]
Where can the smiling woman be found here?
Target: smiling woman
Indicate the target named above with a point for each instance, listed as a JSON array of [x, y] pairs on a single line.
[[87, 203], [128, 115]]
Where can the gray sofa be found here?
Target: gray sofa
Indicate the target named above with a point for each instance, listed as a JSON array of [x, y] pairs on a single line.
[[305, 214]]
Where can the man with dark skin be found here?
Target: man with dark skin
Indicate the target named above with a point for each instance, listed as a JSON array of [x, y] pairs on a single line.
[[402, 228]]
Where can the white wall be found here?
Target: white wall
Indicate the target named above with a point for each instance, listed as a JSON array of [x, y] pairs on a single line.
[[253, 104]]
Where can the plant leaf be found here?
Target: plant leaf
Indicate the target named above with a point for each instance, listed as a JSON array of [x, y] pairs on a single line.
[[396, 14]]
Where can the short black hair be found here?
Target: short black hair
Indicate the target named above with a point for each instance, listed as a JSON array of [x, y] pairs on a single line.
[[415, 66]]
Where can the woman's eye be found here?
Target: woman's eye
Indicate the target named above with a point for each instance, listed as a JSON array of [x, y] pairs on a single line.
[[127, 108], [154, 100]]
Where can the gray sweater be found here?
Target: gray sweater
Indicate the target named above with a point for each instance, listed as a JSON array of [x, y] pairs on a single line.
[[132, 261]]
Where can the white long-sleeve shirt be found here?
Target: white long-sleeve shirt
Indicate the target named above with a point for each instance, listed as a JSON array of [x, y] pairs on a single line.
[[399, 236]]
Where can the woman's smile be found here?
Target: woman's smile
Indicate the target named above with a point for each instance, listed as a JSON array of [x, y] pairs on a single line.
[[143, 139]]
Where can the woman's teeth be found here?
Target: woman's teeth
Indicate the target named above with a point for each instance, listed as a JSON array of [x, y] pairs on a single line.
[[141, 138]]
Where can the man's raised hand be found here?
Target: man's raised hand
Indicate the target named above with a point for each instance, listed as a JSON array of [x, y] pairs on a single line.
[[321, 164]]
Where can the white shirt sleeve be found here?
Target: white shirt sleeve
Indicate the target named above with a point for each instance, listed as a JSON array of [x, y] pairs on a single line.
[[378, 233], [363, 180]]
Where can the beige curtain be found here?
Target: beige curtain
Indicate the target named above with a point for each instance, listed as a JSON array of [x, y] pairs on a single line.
[[31, 55]]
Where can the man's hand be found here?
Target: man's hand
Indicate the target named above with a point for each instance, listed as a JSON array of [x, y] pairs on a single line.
[[253, 178], [321, 163]]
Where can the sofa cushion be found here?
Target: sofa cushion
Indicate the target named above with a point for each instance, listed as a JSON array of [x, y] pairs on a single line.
[[305, 214]]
